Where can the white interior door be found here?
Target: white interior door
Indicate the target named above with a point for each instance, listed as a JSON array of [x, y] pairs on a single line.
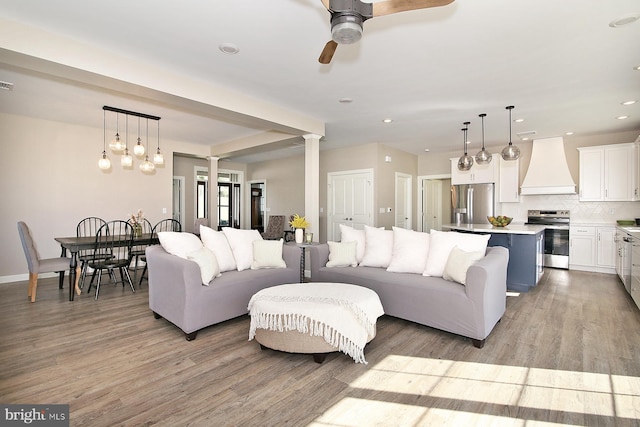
[[350, 201], [404, 201]]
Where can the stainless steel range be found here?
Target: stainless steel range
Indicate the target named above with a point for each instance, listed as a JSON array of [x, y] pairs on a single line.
[[556, 236]]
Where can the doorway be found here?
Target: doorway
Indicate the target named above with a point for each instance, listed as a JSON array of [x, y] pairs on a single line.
[[435, 208], [404, 201], [258, 203]]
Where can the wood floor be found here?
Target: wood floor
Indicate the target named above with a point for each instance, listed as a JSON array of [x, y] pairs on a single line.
[[566, 353]]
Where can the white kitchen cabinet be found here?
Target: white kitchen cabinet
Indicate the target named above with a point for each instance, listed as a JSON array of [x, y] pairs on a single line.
[[635, 272], [609, 173], [582, 246], [478, 174], [606, 247], [592, 248], [509, 180]]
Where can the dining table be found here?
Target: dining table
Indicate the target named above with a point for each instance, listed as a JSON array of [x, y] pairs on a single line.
[[75, 244]]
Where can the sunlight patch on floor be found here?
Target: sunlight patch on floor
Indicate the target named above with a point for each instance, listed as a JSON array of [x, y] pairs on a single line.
[[544, 389]]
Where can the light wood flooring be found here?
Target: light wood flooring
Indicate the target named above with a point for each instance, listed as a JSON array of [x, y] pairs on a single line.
[[565, 353]]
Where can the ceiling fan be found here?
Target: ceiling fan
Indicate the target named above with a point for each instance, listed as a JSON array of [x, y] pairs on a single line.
[[347, 17]]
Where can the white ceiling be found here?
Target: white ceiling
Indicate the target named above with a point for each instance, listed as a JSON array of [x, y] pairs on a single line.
[[560, 63]]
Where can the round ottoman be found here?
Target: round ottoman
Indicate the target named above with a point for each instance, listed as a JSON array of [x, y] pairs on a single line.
[[315, 318]]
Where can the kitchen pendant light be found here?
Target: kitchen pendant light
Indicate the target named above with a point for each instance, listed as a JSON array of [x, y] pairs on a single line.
[[104, 163], [138, 150], [510, 152], [126, 160], [465, 161], [483, 157]]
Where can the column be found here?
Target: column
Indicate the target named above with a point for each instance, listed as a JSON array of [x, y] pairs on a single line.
[[312, 183], [213, 192]]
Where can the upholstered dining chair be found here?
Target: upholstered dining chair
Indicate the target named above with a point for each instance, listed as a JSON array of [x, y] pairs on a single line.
[[115, 238], [137, 251], [275, 228], [36, 264], [87, 227], [162, 225]]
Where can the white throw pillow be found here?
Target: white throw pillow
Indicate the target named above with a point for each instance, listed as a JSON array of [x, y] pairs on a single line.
[[217, 242], [342, 254], [350, 234], [458, 263], [179, 244], [410, 251], [441, 244], [241, 242], [267, 254], [207, 262], [378, 247]]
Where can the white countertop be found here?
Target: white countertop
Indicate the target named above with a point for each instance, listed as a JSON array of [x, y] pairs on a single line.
[[488, 228]]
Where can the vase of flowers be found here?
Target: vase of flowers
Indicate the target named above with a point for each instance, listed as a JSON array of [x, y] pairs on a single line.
[[136, 222], [299, 223]]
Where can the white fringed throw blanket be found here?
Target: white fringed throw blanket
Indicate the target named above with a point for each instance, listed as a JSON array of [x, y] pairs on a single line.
[[344, 315]]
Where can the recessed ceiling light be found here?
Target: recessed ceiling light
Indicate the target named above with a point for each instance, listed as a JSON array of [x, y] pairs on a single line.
[[624, 20], [426, 150], [622, 117], [228, 48], [387, 120], [519, 120], [629, 102], [345, 100], [568, 133], [637, 68]]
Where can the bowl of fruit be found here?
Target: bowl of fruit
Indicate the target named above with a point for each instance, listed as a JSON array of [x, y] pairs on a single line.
[[500, 220]]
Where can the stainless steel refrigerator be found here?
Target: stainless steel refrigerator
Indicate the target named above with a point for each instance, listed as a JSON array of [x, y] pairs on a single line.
[[472, 203]]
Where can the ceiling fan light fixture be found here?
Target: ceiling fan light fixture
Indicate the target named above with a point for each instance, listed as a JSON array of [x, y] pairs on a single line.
[[346, 28]]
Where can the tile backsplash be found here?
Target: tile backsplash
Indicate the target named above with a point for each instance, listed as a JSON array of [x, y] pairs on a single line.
[[581, 212]]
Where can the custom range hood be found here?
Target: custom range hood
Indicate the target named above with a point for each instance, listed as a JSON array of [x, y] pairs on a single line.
[[548, 171]]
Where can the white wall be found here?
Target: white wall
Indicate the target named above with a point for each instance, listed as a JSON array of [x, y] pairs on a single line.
[[50, 179]]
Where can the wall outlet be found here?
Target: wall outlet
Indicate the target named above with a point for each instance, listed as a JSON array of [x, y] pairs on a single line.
[[164, 210], [381, 210]]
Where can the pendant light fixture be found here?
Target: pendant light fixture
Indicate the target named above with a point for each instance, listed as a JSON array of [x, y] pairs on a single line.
[[483, 157], [147, 166], [138, 150], [158, 158], [126, 160], [465, 161], [104, 163], [117, 145], [510, 152]]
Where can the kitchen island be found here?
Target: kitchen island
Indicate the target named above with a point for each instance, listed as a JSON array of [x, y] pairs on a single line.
[[526, 250]]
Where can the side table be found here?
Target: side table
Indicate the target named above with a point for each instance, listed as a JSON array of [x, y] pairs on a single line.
[[302, 247]]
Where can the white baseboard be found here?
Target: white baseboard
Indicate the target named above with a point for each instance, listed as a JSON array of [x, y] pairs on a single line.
[[24, 277]]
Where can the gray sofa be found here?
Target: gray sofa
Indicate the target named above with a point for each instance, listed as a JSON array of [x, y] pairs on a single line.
[[470, 310], [176, 291]]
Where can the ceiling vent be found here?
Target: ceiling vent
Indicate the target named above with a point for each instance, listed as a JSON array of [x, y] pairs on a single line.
[[6, 86]]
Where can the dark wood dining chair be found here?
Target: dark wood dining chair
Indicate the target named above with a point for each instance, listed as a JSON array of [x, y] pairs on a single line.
[[38, 265], [163, 225], [87, 227], [116, 239], [137, 251]]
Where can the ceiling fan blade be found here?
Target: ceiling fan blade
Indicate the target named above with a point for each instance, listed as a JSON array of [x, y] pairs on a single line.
[[388, 7], [327, 52]]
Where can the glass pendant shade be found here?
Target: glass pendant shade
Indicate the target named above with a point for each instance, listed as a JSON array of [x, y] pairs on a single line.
[[158, 158], [138, 150], [147, 166], [126, 160], [117, 144], [465, 161], [104, 163], [483, 157], [510, 152]]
